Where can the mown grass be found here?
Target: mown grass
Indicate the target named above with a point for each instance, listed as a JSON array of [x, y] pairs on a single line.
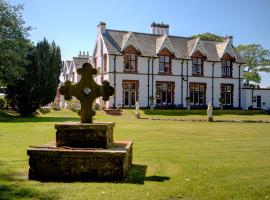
[[182, 160]]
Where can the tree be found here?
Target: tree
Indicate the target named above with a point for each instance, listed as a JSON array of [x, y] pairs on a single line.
[[209, 36], [257, 60], [37, 87], [14, 44]]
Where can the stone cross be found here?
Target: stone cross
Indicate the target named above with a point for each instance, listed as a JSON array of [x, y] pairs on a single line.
[[86, 90]]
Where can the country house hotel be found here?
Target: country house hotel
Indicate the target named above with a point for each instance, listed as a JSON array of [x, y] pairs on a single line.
[[165, 71]]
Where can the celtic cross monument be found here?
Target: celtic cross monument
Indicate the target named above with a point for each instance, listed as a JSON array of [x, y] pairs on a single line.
[[82, 151], [87, 90]]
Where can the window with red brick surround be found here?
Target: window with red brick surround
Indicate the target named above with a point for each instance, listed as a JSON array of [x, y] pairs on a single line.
[[197, 64], [165, 62], [130, 59]]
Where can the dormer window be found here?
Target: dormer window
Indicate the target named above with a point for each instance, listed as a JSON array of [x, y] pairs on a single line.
[[164, 64], [165, 61], [130, 62], [197, 66], [226, 68], [130, 59]]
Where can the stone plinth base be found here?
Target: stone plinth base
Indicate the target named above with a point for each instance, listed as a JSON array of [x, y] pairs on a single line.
[[52, 163], [83, 135]]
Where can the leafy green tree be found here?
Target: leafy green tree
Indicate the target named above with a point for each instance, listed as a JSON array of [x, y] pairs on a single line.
[[14, 44], [257, 60], [37, 87], [209, 36]]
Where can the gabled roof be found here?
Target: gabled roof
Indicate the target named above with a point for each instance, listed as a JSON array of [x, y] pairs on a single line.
[[182, 47], [223, 48], [130, 39], [196, 45], [162, 43], [66, 67]]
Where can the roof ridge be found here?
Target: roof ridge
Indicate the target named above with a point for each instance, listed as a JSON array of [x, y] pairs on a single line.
[[183, 37]]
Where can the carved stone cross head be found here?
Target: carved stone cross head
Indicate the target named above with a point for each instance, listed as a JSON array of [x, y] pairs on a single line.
[[87, 90]]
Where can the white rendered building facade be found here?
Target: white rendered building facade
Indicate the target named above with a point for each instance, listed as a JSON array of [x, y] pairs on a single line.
[[168, 71]]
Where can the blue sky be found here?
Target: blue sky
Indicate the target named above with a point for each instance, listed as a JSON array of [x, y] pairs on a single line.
[[72, 23]]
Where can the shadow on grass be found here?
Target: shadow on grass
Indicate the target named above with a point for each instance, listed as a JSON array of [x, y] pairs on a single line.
[[41, 119], [11, 188], [9, 118], [136, 175], [15, 191]]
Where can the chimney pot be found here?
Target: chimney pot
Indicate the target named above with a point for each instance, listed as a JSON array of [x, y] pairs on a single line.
[[160, 28], [230, 38], [101, 27]]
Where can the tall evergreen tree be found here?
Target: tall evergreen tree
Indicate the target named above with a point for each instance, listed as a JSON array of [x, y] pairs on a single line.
[[37, 87]]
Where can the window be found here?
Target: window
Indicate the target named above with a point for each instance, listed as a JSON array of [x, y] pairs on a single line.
[[164, 93], [259, 101], [130, 61], [130, 92], [227, 94], [73, 77], [104, 62], [197, 93], [95, 62], [197, 66], [226, 68], [165, 64]]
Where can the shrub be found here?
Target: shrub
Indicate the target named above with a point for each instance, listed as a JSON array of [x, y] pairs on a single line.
[[3, 103], [97, 106], [178, 112], [44, 110], [55, 106], [74, 105]]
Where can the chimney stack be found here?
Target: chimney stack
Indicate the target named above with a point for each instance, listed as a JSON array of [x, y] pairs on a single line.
[[101, 27], [160, 28], [230, 38]]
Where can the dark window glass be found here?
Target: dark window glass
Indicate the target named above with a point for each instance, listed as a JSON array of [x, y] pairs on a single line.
[[226, 68], [197, 66], [227, 94], [197, 93], [164, 93], [130, 61], [164, 64]]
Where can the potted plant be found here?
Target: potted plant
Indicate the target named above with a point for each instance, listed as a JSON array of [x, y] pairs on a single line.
[[188, 102], [221, 103]]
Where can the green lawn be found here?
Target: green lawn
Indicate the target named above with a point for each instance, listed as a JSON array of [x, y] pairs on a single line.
[[183, 160]]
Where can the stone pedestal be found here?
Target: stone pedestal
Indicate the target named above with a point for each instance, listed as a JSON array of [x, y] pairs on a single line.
[[82, 152], [97, 135]]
